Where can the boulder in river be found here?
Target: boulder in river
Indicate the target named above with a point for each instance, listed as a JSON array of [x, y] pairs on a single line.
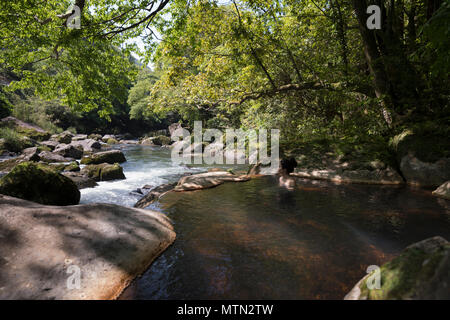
[[82, 181], [106, 137], [95, 136], [173, 127], [111, 157], [154, 195], [443, 191], [50, 144], [79, 137], [88, 145], [64, 137], [161, 141], [208, 180], [425, 174], [69, 151], [421, 272], [108, 244], [31, 154], [103, 172], [39, 183], [46, 156]]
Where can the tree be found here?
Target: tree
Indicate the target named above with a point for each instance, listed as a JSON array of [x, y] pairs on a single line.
[[80, 66]]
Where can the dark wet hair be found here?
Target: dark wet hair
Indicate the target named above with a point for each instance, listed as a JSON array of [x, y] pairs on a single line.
[[288, 164]]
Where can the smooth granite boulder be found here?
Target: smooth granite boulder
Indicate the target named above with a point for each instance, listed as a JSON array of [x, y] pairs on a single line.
[[45, 248]]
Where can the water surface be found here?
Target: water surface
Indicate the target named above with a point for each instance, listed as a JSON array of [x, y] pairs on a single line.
[[254, 240]]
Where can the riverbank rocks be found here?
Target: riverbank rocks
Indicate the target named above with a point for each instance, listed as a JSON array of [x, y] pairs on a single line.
[[422, 272], [45, 245], [103, 172], [95, 136], [50, 144], [147, 142], [39, 183], [161, 140], [173, 127], [69, 151], [31, 131], [80, 180], [106, 137], [88, 145], [79, 137], [154, 195], [31, 154], [425, 174], [207, 180], [443, 191], [111, 157], [64, 137], [364, 176], [50, 157]]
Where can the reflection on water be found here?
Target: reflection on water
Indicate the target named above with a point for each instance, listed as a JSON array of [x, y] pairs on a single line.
[[254, 240]]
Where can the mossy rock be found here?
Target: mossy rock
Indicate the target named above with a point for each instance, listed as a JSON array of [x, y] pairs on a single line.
[[161, 140], [9, 164], [112, 141], [39, 183], [95, 136], [422, 271], [33, 134], [111, 157], [104, 172], [73, 167]]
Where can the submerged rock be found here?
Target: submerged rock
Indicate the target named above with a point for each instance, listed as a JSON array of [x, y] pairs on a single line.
[[207, 180], [103, 172], [39, 183], [421, 272], [443, 191], [111, 156], [154, 195], [109, 244]]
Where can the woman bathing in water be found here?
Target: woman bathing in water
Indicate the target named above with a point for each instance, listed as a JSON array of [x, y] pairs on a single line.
[[286, 168]]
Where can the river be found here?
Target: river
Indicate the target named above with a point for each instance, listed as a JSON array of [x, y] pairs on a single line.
[[254, 240]]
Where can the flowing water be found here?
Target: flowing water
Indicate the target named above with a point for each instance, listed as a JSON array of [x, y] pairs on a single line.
[[255, 240]]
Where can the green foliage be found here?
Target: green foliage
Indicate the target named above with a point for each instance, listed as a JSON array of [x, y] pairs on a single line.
[[13, 141], [138, 97]]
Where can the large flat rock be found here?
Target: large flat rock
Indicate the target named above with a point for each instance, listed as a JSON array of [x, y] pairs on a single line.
[[42, 247], [207, 180]]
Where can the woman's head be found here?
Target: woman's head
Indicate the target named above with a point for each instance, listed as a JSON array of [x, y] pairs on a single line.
[[288, 165]]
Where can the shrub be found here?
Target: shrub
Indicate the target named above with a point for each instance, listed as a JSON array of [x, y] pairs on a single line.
[[13, 141]]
